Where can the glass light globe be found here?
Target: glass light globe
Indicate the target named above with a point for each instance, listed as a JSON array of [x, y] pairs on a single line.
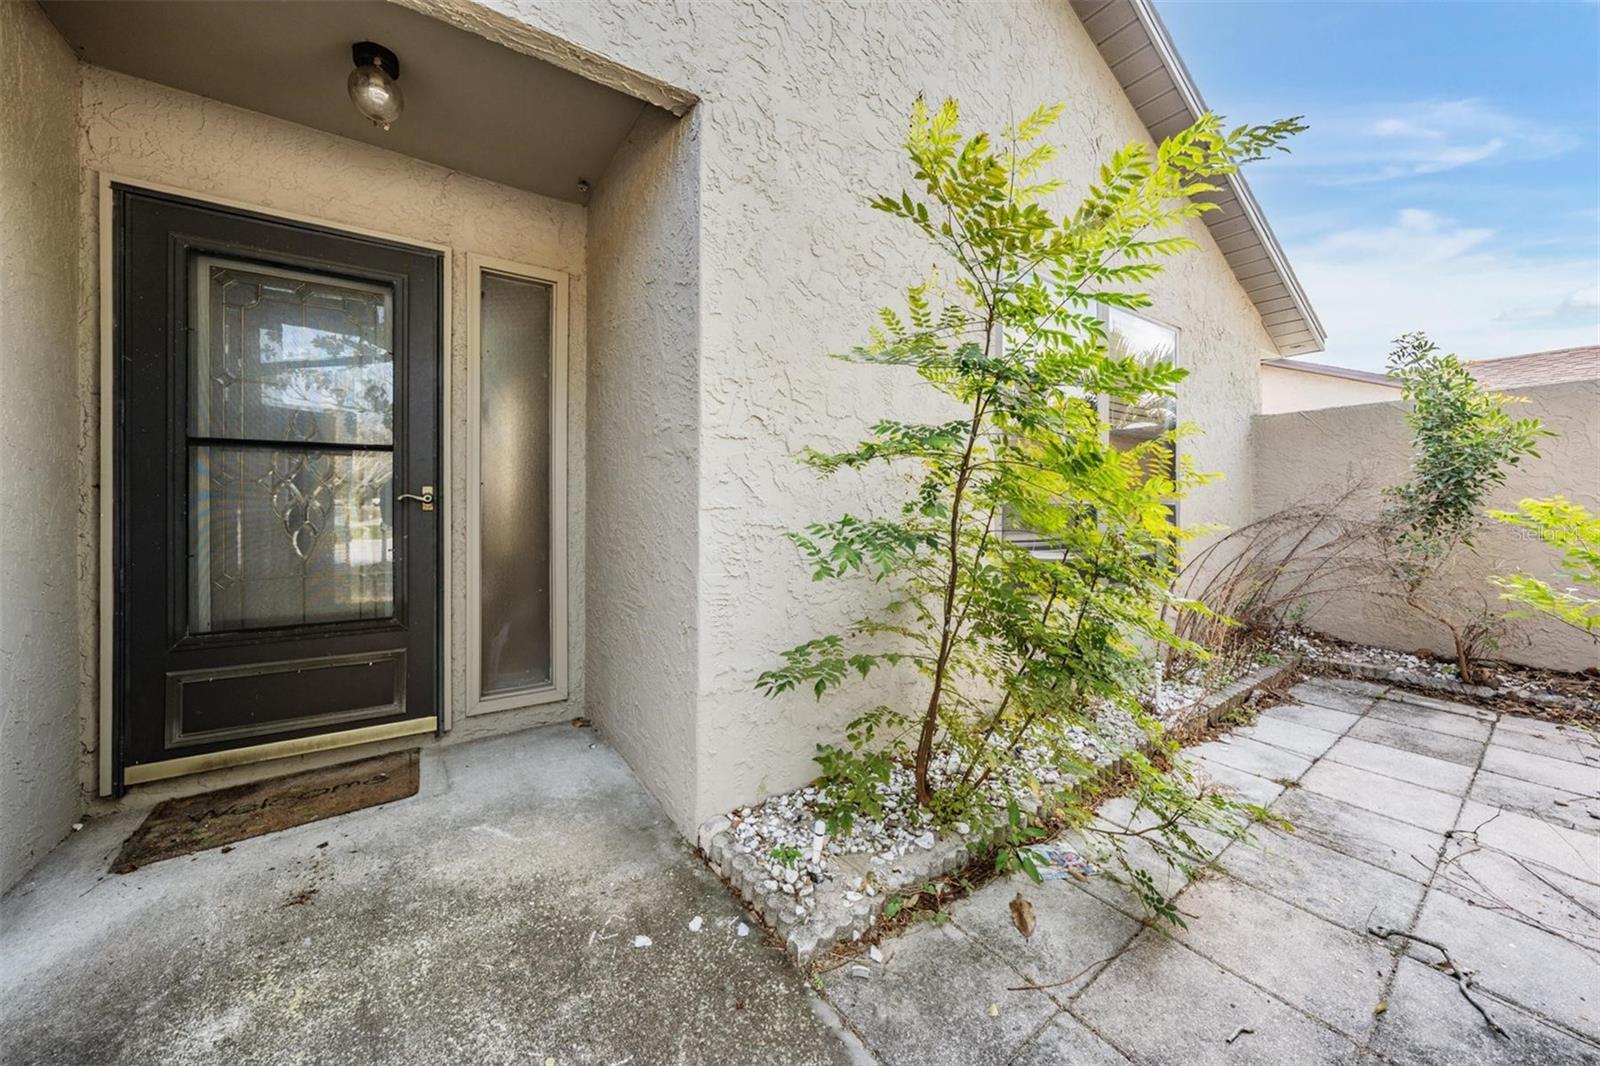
[[375, 94]]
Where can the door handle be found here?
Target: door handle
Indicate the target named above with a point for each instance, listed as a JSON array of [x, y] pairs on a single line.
[[425, 498]]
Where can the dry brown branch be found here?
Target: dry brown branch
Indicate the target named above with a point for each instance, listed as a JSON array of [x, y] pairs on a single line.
[[1463, 979]]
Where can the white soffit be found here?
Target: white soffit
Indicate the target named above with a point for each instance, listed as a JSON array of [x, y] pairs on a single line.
[[1135, 45]]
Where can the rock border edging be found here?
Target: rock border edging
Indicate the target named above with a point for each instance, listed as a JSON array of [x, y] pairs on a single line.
[[835, 919]]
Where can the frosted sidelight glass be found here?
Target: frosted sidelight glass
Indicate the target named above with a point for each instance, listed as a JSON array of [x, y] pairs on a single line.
[[514, 484]]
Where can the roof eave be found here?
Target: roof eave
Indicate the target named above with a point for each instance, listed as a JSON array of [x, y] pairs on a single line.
[[1156, 37]]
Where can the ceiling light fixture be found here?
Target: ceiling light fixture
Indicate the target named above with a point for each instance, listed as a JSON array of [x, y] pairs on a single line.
[[372, 84]]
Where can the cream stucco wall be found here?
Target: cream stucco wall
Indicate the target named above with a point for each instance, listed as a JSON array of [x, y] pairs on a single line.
[[1308, 456], [1283, 390], [140, 131], [644, 449], [802, 107], [39, 571]]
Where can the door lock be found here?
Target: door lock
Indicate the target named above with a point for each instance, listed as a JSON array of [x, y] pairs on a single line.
[[425, 497]]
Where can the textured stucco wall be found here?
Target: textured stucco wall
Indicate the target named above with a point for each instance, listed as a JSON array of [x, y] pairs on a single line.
[[38, 440], [141, 131], [644, 413], [802, 107], [1314, 455], [1295, 390]]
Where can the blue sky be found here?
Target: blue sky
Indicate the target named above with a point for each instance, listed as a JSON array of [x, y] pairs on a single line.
[[1450, 181]]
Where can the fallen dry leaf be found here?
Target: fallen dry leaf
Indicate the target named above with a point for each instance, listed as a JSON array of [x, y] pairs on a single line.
[[1022, 915]]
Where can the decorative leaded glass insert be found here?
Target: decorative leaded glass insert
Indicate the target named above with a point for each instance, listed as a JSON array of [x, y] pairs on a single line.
[[291, 432], [287, 356], [288, 537]]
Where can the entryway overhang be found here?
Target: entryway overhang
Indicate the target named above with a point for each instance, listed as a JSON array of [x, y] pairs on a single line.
[[471, 103]]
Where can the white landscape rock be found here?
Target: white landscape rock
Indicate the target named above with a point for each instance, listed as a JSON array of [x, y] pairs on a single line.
[[642, 941], [696, 923]]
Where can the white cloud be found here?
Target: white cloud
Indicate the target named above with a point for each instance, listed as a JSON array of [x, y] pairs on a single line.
[[1422, 138], [1424, 271]]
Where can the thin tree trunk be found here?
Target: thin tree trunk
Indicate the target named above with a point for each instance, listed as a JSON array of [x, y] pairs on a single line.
[[930, 717]]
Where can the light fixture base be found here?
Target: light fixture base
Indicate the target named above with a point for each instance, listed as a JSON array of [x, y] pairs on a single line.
[[370, 53]]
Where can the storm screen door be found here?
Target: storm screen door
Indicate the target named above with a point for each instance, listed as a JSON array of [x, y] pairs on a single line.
[[277, 518]]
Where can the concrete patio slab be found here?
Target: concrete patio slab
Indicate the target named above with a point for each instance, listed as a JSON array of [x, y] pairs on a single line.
[[1309, 714], [1066, 1040], [1243, 786], [1247, 787], [1330, 973], [1426, 718], [1074, 930], [1535, 894], [1345, 891], [1385, 795], [941, 998], [1542, 769], [1275, 952], [1110, 886], [1446, 746], [1300, 739], [1161, 1003], [1399, 847], [1541, 972], [1353, 684], [489, 919], [1417, 699], [1558, 731], [1429, 1023], [1567, 850], [1253, 757], [1547, 804], [1333, 698], [1567, 742], [1424, 770]]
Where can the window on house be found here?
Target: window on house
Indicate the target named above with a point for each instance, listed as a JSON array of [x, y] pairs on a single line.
[[517, 584], [1128, 424], [1134, 424]]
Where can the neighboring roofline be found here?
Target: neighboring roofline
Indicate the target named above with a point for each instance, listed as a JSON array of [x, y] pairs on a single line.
[[1531, 355], [1282, 322], [1332, 371]]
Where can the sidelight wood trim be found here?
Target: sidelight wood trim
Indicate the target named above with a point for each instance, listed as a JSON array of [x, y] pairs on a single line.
[[560, 637]]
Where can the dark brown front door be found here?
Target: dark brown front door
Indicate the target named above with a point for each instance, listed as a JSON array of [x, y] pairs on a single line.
[[277, 393]]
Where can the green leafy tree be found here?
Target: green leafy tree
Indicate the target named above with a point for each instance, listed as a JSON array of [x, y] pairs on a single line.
[[1016, 647], [1575, 533], [1464, 444]]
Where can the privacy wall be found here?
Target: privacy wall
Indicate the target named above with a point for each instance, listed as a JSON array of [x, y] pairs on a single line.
[[1310, 456]]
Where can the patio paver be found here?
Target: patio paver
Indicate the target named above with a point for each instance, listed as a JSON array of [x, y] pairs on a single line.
[[1446, 746], [1427, 1021], [1458, 725], [1161, 1003], [1517, 962], [1384, 794], [1542, 769], [940, 998], [1276, 963]]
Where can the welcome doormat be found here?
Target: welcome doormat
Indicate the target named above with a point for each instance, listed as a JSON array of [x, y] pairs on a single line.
[[213, 819]]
